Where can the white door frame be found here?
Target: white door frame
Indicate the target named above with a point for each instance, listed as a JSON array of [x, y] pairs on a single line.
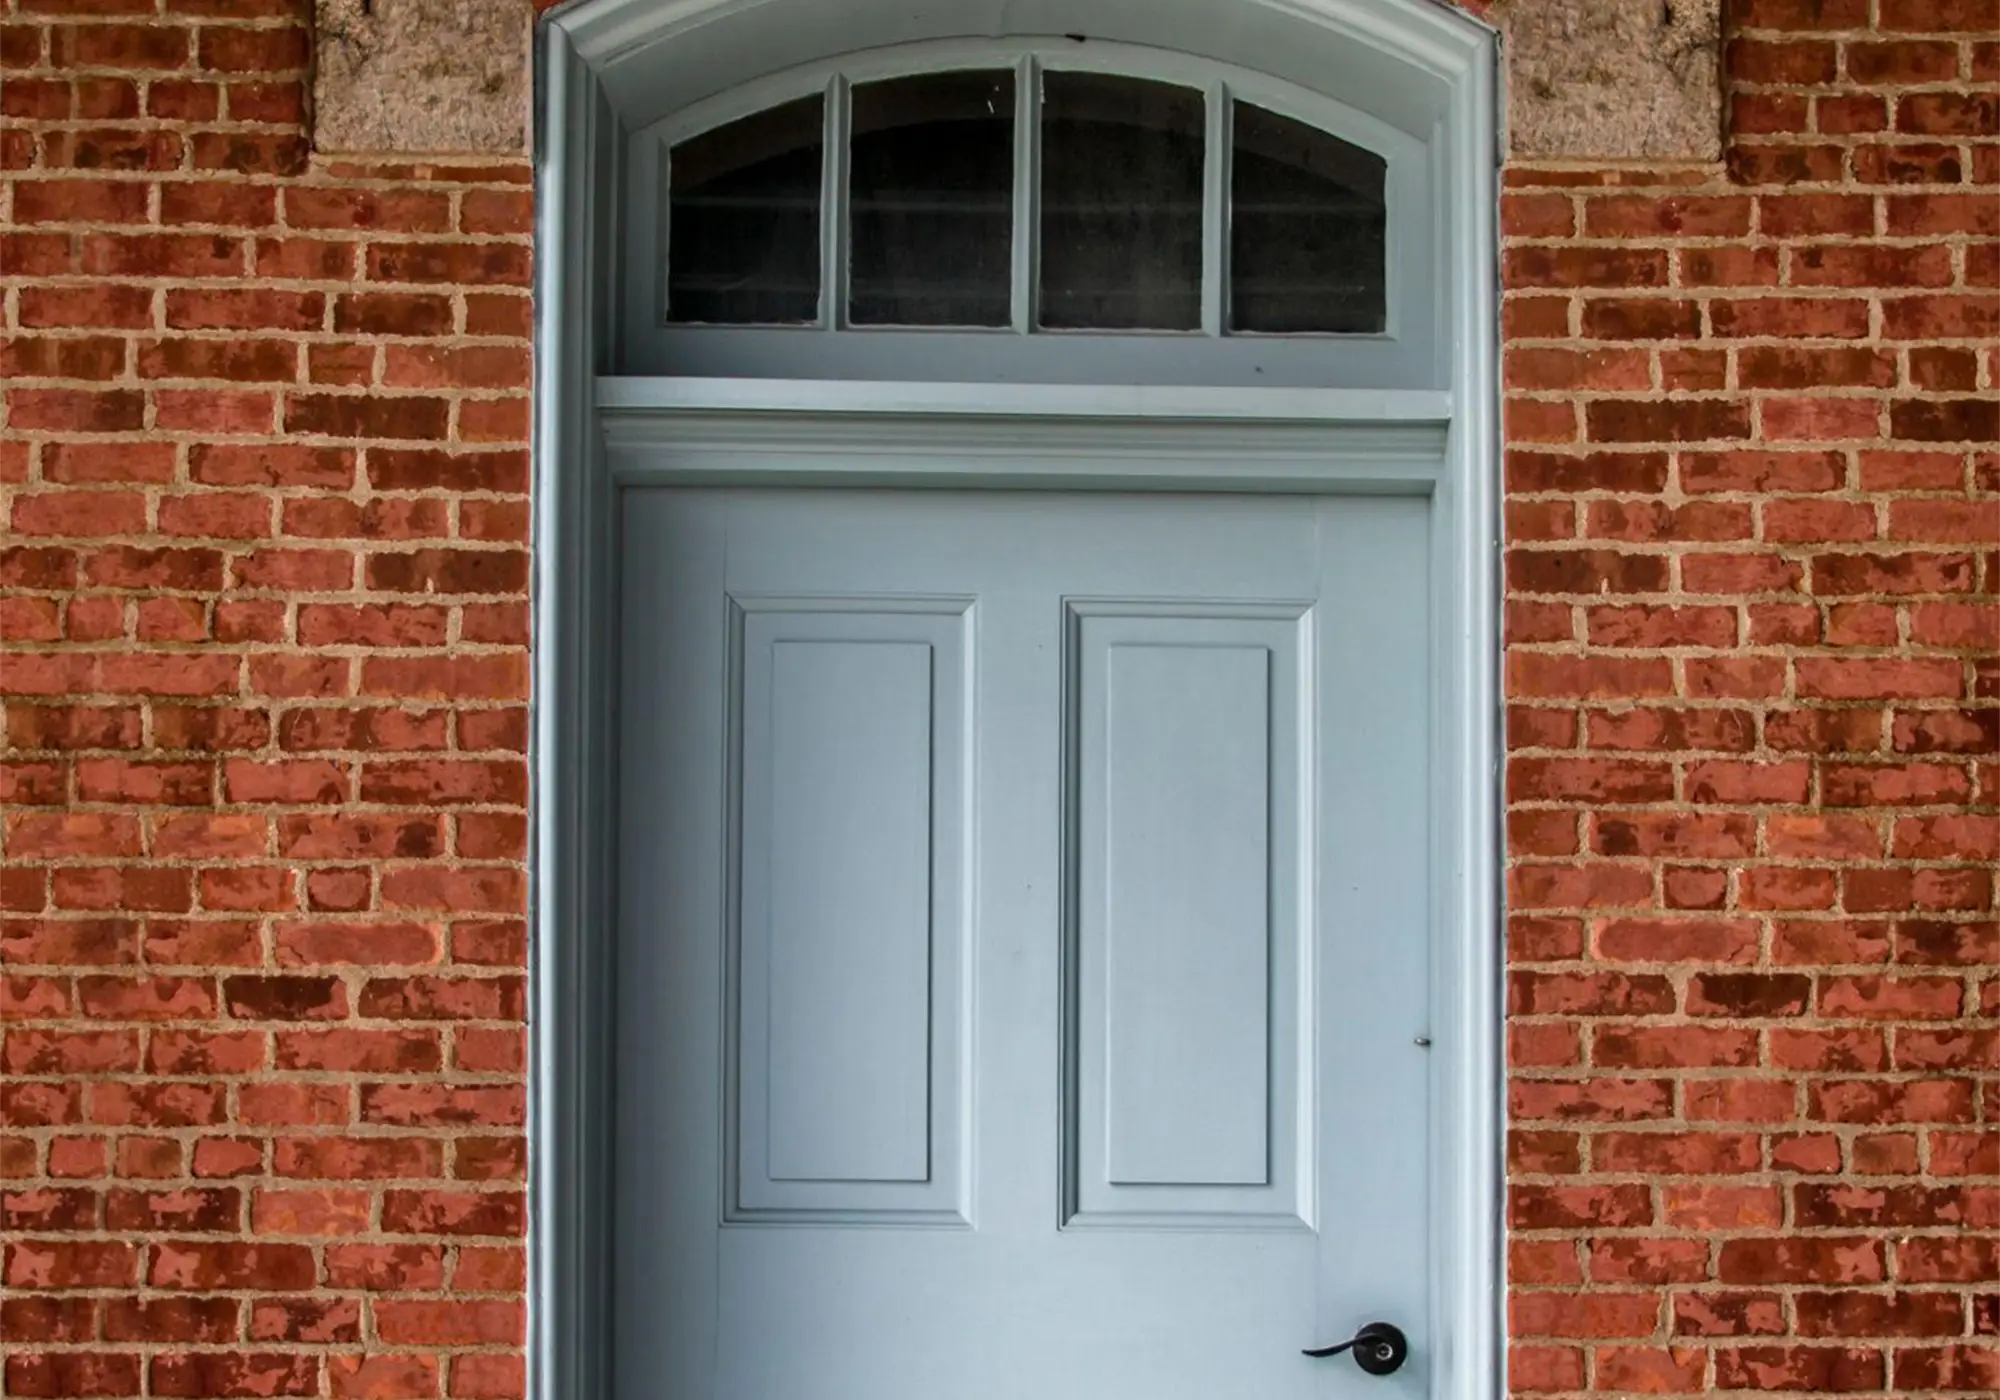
[[578, 414]]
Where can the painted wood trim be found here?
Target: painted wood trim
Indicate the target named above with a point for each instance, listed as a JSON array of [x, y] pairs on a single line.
[[1443, 40], [635, 394], [1218, 160], [1469, 1286], [567, 1319], [758, 447], [1025, 262], [577, 178]]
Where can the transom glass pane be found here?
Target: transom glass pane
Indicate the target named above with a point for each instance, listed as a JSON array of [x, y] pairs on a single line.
[[931, 194], [1121, 204], [743, 223], [928, 191], [1307, 229]]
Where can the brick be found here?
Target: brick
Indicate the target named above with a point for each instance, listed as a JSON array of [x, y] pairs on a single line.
[[233, 50], [1900, 61], [184, 1320], [1532, 1369], [1918, 163], [311, 1319], [1850, 1259], [1870, 265], [457, 1323], [384, 1377], [85, 306], [454, 1213], [360, 1051], [1890, 999], [269, 998], [386, 1268], [1946, 420], [1957, 1367], [237, 1373], [393, 313], [257, 309], [100, 463], [48, 1265], [374, 944], [1724, 1313], [1935, 16], [1689, 420], [1667, 216], [430, 1105], [1573, 1315], [1765, 317], [71, 1374], [1878, 679], [1851, 114], [1785, 164], [1728, 267], [1930, 214], [1643, 473], [1640, 318], [404, 417], [479, 264], [1538, 266], [347, 1159], [1820, 1369], [1913, 1101]]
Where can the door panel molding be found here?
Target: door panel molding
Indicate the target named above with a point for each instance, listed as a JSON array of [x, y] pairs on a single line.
[[608, 66], [826, 694], [1169, 1013]]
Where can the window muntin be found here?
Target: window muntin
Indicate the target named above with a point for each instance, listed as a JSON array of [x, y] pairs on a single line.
[[1040, 199]]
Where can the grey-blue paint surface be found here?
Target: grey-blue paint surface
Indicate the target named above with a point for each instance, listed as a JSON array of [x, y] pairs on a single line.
[[1251, 675]]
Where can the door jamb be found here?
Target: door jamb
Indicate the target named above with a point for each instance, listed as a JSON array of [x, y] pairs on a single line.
[[576, 140]]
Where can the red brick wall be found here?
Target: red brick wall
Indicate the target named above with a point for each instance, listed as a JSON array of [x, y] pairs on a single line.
[[1751, 569], [263, 617], [265, 662]]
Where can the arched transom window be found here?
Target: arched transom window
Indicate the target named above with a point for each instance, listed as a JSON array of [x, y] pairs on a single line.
[[1063, 210]]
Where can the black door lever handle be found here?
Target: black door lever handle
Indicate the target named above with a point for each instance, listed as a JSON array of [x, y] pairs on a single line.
[[1378, 1348]]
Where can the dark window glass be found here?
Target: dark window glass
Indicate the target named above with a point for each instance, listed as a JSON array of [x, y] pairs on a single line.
[[1307, 229], [931, 196], [1121, 204], [743, 231]]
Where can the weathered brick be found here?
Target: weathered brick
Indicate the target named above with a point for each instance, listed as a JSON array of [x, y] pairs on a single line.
[[264, 933]]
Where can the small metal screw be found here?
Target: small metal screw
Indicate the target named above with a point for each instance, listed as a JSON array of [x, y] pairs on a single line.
[[1423, 1042]]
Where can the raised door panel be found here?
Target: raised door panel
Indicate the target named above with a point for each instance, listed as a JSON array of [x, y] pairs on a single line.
[[850, 930], [1189, 1078]]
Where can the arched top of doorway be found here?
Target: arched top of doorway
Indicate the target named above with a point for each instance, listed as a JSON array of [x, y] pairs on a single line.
[[1398, 60], [1343, 109]]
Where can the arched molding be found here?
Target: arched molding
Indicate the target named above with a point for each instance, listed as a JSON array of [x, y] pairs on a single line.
[[1397, 59]]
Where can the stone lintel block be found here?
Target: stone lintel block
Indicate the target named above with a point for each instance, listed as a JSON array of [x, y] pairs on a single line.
[[422, 76], [1612, 79]]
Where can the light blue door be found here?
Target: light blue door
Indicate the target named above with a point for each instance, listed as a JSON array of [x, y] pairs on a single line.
[[1022, 949]]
